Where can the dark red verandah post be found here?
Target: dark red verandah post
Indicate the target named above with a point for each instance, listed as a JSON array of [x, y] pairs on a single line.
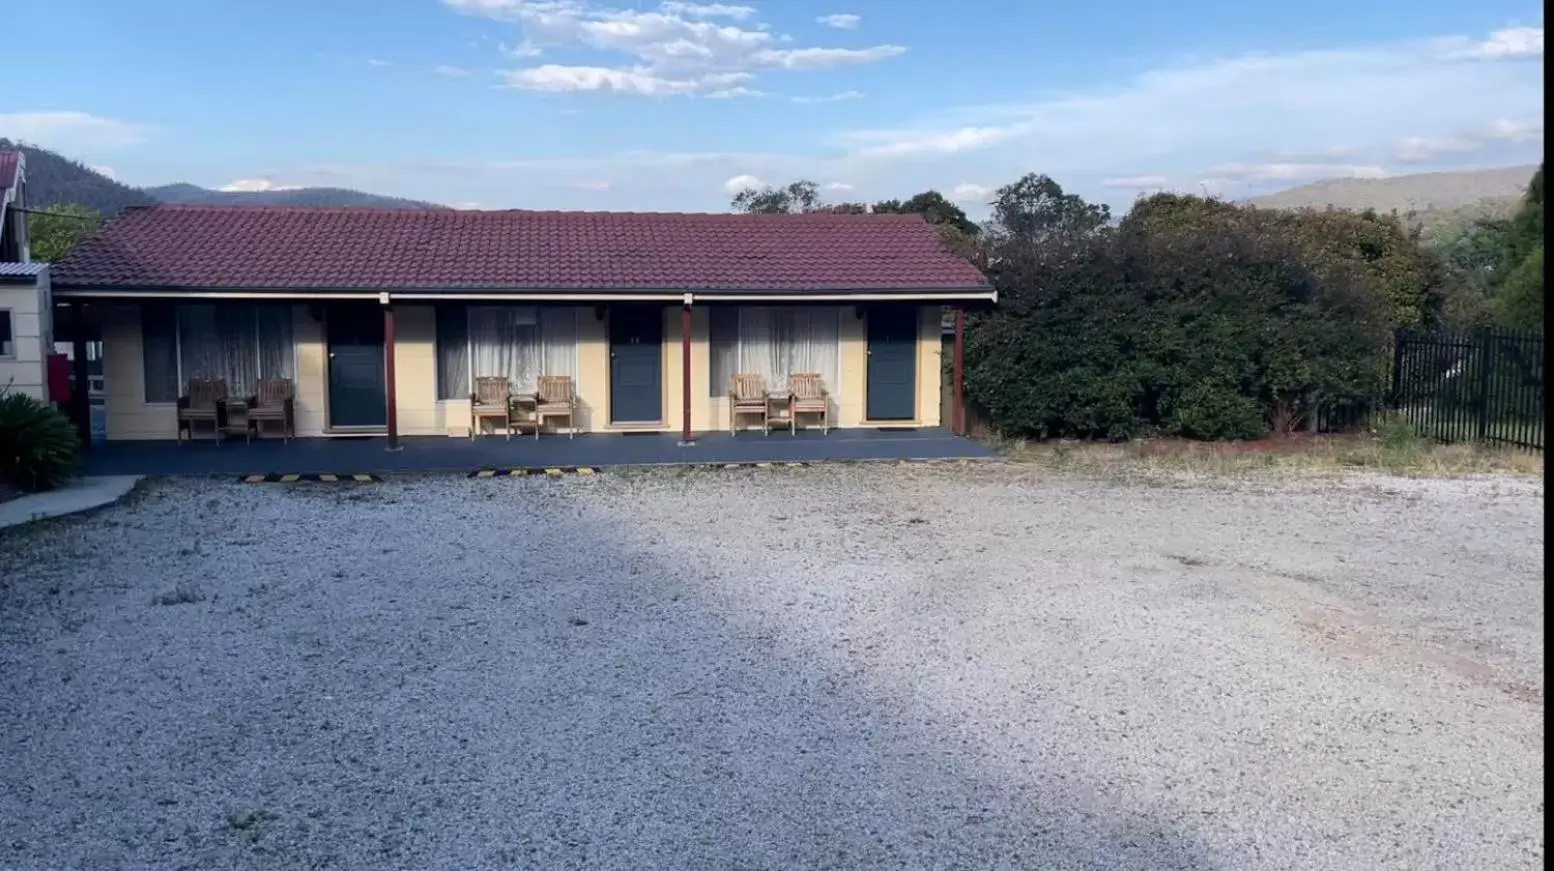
[[958, 426], [686, 439], [388, 373]]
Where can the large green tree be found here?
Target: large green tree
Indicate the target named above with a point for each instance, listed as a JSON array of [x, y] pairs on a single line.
[[1518, 300], [55, 231], [1035, 210], [793, 198], [933, 207]]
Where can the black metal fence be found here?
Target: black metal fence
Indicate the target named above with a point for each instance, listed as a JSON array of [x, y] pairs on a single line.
[[1482, 386]]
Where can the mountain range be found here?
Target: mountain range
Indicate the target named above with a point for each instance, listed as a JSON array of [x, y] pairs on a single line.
[[53, 179], [1431, 200]]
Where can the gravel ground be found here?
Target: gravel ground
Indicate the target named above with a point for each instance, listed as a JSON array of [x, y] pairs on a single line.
[[842, 667]]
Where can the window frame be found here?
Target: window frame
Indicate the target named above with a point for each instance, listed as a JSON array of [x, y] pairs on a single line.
[[8, 337], [469, 310], [180, 382]]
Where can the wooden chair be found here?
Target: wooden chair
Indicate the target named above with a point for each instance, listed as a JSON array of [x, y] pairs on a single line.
[[555, 398], [274, 401], [747, 395], [492, 399], [202, 404], [808, 395]]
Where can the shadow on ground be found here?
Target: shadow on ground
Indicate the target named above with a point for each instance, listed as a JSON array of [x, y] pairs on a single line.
[[514, 685]]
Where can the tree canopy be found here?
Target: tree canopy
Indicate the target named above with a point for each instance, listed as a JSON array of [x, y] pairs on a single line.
[[54, 232], [1190, 316], [1518, 301]]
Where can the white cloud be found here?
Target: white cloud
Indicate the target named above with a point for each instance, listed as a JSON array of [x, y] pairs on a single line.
[[840, 20], [709, 10], [374, 62], [906, 143], [72, 132], [451, 72], [672, 50], [106, 171], [555, 78], [525, 49], [1511, 42], [255, 185], [1266, 119], [1513, 131], [467, 206], [596, 185], [1137, 182], [1275, 118], [1293, 171], [740, 182], [1427, 149], [832, 98], [824, 58], [968, 192], [839, 186]]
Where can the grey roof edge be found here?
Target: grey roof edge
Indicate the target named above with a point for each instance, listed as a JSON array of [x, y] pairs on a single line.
[[67, 284]]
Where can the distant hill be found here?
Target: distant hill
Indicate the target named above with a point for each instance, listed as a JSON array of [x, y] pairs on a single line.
[[53, 179], [1430, 199], [188, 194]]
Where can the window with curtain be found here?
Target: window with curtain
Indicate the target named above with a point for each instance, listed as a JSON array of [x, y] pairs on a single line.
[[519, 342], [159, 352], [776, 342], [453, 379], [241, 343], [722, 347]]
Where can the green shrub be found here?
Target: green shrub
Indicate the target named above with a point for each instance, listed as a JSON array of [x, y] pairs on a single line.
[[1191, 316], [39, 447], [1397, 434], [1211, 411]]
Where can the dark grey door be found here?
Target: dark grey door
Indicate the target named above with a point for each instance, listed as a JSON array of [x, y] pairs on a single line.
[[636, 364], [357, 396], [892, 367]]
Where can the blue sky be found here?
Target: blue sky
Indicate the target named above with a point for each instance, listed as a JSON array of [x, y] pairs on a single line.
[[629, 104]]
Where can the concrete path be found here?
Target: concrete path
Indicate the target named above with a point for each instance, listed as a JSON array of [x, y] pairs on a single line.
[[444, 454], [82, 494]]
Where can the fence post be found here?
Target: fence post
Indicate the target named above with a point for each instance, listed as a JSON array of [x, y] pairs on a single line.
[[1486, 358], [1397, 367]]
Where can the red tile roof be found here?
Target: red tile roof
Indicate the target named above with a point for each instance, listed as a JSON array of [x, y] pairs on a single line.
[[259, 248]]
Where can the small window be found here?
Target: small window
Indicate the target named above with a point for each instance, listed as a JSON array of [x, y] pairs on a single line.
[[7, 340]]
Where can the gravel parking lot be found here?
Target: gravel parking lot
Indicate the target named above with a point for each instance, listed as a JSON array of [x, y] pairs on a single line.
[[845, 667]]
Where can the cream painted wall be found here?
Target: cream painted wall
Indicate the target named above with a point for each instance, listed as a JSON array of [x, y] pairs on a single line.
[[128, 415], [420, 413], [25, 369]]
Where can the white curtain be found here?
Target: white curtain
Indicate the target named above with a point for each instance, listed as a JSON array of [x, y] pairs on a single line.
[[522, 343], [239, 343], [558, 342], [779, 341]]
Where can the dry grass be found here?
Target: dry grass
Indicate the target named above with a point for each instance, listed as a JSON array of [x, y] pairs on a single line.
[[1397, 456]]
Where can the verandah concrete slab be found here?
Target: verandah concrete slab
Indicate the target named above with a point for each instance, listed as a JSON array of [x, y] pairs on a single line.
[[82, 494], [440, 453]]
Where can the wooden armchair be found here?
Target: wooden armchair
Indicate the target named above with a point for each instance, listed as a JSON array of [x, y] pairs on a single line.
[[747, 395], [274, 401], [492, 399], [555, 398], [808, 395], [202, 404]]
